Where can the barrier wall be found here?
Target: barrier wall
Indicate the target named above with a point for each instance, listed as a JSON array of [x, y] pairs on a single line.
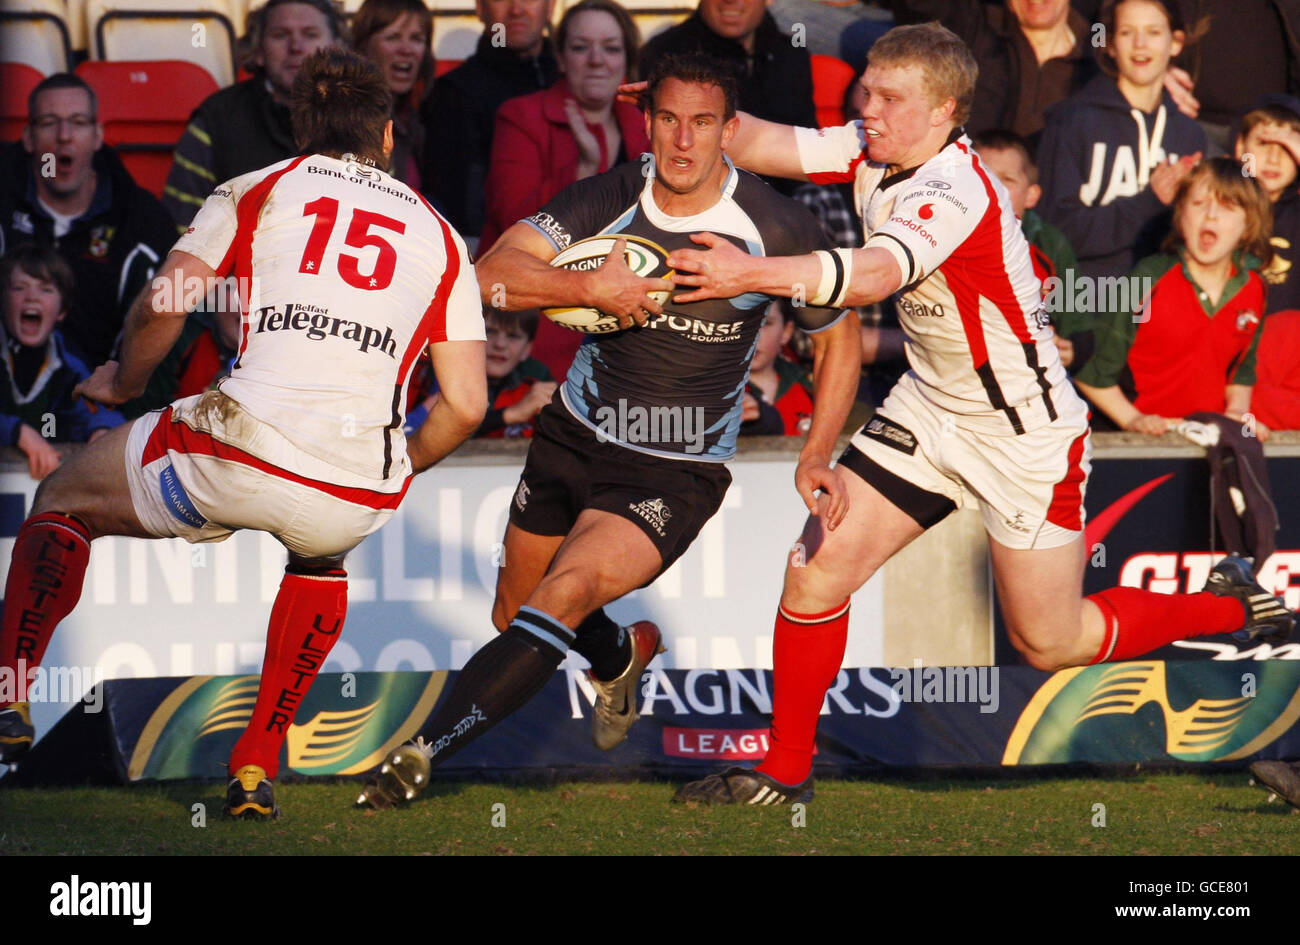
[[421, 589]]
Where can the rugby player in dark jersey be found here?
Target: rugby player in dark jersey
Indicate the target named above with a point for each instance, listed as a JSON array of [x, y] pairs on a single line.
[[627, 462]]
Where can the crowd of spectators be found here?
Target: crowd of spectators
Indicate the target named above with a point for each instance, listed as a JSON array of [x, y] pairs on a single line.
[[1147, 139]]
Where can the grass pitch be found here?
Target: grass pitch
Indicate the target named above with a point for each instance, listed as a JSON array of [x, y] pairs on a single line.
[[1144, 814]]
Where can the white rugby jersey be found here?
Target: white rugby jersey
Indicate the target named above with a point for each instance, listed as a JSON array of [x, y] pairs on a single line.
[[352, 274], [978, 337]]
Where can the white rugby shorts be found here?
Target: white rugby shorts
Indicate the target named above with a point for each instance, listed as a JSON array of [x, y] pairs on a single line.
[[193, 474], [1029, 487]]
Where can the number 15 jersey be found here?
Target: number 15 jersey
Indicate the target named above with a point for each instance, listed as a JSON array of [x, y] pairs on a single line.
[[345, 275]]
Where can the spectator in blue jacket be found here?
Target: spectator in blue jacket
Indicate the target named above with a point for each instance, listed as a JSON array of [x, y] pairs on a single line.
[[39, 373]]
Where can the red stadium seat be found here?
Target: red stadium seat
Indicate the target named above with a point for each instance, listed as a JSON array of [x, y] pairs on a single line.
[[831, 78], [443, 66], [17, 79], [144, 107]]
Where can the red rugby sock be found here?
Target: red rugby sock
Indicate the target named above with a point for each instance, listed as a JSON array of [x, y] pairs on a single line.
[[1139, 621], [306, 620], [44, 584], [807, 650]]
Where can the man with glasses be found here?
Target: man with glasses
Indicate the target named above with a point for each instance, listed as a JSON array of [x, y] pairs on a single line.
[[61, 187]]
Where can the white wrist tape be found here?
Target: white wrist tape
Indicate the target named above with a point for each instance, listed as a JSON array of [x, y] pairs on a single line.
[[837, 271]]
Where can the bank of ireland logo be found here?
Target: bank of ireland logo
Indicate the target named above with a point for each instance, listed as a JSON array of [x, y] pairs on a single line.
[[653, 511], [1186, 711]]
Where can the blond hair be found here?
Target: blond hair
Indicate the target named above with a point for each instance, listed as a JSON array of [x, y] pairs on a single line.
[[946, 62]]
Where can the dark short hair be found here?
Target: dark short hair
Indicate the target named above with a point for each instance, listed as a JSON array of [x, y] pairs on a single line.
[[340, 105], [62, 80], [1001, 139], [526, 320], [626, 26], [40, 262], [257, 19], [699, 69], [375, 16]]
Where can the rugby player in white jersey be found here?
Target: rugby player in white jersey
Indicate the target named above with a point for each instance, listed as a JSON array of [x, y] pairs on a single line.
[[985, 416], [353, 275]]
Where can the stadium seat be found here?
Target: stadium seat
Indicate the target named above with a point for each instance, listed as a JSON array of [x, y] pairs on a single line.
[[34, 32], [831, 78], [75, 18], [143, 107], [17, 79], [199, 31]]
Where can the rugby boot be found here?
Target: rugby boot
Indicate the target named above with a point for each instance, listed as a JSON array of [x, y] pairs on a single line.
[[250, 796], [16, 732], [739, 785], [615, 710], [403, 775], [1281, 778], [1267, 618]]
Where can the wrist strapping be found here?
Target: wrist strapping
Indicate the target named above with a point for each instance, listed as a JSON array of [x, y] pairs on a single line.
[[837, 272]]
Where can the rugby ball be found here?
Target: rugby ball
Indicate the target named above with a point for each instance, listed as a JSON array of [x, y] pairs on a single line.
[[646, 259]]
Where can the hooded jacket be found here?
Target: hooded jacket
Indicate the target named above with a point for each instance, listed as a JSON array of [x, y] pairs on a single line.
[[113, 248], [1095, 160]]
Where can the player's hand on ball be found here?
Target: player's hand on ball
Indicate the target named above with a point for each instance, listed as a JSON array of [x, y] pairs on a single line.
[[716, 272], [620, 292], [101, 387], [833, 503]]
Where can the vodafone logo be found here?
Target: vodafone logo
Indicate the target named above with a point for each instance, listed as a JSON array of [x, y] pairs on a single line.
[[926, 212]]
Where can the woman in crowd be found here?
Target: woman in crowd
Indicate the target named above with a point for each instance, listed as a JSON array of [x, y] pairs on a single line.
[[545, 141], [395, 34]]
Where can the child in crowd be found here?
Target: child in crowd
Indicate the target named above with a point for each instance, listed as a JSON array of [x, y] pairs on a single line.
[[1113, 154], [1268, 144], [1007, 155], [36, 402], [518, 385], [1187, 344], [778, 397]]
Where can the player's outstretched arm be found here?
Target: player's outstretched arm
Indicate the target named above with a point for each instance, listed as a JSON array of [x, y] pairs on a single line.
[[516, 274], [461, 369], [152, 327], [837, 366], [766, 147], [840, 277]]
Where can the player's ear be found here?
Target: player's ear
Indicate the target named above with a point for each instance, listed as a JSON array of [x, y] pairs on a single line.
[[388, 140], [1179, 38], [943, 113], [1032, 196], [729, 129]]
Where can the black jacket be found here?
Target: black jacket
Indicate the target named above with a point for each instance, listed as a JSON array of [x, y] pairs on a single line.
[[113, 248], [776, 83], [246, 129], [459, 115]]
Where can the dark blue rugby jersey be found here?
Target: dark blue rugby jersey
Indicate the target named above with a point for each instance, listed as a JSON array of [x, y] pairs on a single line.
[[675, 386]]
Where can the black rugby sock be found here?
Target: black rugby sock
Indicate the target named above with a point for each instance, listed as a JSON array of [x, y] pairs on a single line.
[[497, 680], [605, 645]]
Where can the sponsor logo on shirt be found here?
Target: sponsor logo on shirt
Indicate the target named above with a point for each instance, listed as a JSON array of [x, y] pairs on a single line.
[[938, 185], [319, 324], [916, 228], [365, 180], [696, 329], [178, 501], [551, 227], [918, 309], [1246, 319]]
